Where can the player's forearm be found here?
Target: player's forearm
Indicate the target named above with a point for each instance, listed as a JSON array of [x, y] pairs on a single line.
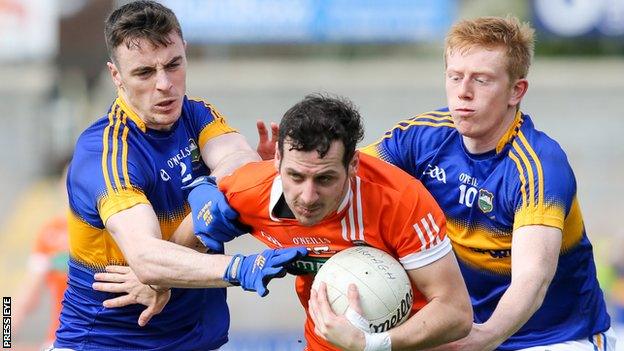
[[441, 321], [523, 297], [166, 264], [184, 235]]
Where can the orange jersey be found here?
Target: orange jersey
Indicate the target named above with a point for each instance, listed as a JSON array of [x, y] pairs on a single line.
[[50, 255], [385, 208]]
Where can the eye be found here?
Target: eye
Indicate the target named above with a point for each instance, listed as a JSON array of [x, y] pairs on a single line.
[[172, 66], [481, 80], [325, 180], [453, 77], [297, 178], [143, 74]]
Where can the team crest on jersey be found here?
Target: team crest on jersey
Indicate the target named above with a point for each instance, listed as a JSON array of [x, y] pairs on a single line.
[[195, 155], [485, 201]]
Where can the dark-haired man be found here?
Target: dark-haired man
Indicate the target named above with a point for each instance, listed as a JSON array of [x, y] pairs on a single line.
[[125, 197], [321, 192]]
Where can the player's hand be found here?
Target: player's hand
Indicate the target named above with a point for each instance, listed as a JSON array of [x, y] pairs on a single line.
[[254, 272], [266, 146], [122, 280], [215, 222], [345, 331]]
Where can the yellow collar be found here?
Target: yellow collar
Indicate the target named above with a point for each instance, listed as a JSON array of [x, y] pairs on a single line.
[[511, 132], [130, 113]]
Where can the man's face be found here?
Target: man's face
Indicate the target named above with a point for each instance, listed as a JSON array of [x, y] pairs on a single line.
[[479, 93], [314, 187], [152, 80]]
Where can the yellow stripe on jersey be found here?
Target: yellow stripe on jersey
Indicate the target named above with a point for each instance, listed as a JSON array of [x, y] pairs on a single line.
[[118, 197], [481, 248], [445, 114], [510, 133], [114, 154], [538, 168], [133, 116], [522, 178], [124, 155], [534, 209], [419, 120], [529, 177], [109, 187]]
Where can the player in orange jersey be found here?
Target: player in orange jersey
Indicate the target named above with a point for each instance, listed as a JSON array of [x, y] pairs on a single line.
[[47, 268], [321, 193], [47, 264]]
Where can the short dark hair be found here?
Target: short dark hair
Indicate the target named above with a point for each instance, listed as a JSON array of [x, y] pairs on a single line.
[[142, 19], [317, 121]]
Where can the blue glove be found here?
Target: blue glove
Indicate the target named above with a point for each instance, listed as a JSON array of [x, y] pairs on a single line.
[[254, 272], [215, 222]]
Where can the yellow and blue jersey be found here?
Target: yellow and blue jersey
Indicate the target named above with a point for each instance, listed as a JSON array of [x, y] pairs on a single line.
[[526, 180], [119, 163]]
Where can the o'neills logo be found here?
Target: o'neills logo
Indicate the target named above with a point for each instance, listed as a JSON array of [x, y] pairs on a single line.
[[403, 310]]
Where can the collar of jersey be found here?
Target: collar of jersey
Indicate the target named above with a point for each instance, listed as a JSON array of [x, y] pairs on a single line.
[[130, 113], [511, 132], [277, 192]]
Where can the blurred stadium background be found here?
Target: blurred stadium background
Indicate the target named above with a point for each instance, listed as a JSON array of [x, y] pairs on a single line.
[[254, 58]]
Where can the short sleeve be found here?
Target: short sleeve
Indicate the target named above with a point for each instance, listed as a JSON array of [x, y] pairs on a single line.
[[207, 120], [105, 177], [422, 237], [546, 186]]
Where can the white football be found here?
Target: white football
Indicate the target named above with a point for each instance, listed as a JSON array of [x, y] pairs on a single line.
[[385, 291]]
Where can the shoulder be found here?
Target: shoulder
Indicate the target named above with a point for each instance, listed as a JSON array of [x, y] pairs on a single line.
[[434, 123], [91, 139], [249, 176], [196, 106], [536, 149], [420, 133]]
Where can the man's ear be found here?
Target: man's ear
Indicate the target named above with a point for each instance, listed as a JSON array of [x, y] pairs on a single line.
[[353, 164], [277, 159], [517, 91], [115, 74]]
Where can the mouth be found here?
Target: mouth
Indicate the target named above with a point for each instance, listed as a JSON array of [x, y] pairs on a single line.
[[165, 105], [464, 112], [308, 211]]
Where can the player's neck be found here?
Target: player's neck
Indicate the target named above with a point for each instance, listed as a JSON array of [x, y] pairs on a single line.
[[489, 141]]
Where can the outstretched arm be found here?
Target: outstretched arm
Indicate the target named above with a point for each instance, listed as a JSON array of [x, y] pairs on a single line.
[[534, 256], [160, 262]]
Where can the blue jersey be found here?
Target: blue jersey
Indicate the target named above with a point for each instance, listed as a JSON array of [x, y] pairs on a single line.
[[119, 163], [526, 180]]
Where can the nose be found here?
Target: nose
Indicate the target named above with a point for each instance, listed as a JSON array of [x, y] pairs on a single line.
[[465, 89], [309, 195], [163, 82]]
